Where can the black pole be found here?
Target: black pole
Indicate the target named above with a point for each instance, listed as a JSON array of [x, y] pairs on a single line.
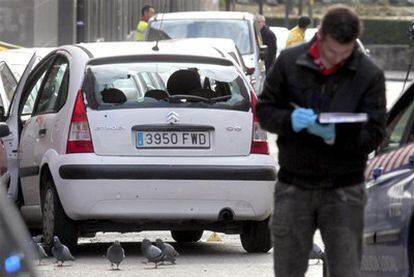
[[260, 6]]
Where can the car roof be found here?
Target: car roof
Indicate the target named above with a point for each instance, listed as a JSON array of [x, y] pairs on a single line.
[[166, 47], [203, 15]]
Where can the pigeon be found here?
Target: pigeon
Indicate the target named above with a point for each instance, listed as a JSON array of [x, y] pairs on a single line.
[[168, 250], [61, 252], [115, 254], [40, 251], [37, 238], [151, 252], [317, 253]]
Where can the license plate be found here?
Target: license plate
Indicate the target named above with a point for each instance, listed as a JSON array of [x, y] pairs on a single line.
[[176, 139]]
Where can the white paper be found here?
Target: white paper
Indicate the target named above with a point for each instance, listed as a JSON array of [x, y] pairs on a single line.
[[325, 118]]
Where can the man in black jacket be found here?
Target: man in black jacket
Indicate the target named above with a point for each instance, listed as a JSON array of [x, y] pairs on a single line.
[[321, 178], [269, 39]]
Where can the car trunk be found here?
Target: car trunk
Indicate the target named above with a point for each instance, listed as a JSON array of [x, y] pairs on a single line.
[[170, 132]]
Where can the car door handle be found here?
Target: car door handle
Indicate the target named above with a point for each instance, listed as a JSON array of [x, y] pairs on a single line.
[[42, 132]]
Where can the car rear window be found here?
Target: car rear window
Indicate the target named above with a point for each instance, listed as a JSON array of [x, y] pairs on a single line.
[[236, 30], [165, 84]]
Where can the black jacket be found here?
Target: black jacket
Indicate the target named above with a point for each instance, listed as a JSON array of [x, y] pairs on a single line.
[[269, 39], [305, 160]]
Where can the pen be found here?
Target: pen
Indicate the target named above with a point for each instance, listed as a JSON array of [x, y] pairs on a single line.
[[293, 104]]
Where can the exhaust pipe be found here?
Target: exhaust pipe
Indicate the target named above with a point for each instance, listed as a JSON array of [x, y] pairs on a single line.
[[226, 214]]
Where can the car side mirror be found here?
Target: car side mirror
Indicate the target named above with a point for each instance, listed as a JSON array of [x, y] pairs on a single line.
[[4, 130], [264, 52]]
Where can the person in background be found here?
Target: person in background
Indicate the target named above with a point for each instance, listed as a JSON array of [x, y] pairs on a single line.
[[146, 13], [269, 39], [321, 177], [297, 34]]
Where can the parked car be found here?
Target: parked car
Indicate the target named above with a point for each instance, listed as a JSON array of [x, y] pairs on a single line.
[[241, 27], [389, 224], [158, 136]]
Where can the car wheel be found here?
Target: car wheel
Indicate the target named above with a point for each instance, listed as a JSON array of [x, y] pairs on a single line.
[[187, 236], [256, 236], [55, 221]]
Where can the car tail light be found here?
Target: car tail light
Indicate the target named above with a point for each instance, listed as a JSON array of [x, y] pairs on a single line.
[[79, 139], [259, 137]]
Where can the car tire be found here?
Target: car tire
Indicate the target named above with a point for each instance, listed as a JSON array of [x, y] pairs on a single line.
[[187, 236], [255, 237], [55, 221]]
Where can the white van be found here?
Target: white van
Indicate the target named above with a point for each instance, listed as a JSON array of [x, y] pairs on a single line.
[[238, 26]]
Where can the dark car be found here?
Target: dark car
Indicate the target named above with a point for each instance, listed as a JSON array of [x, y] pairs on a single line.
[[389, 221], [15, 247]]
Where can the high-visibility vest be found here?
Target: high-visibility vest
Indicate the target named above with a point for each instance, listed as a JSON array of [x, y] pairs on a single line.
[[141, 27], [296, 35]]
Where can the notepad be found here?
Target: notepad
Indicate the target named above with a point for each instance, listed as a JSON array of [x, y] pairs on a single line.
[[326, 118]]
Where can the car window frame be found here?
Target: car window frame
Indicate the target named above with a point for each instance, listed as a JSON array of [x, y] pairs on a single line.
[[57, 105], [397, 111], [33, 78]]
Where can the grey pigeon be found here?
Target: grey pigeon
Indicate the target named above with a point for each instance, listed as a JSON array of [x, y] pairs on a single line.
[[115, 254], [317, 253], [151, 252], [40, 251], [168, 250], [61, 252], [37, 238]]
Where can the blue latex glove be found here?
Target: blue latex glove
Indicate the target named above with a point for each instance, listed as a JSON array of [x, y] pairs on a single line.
[[301, 118], [325, 131]]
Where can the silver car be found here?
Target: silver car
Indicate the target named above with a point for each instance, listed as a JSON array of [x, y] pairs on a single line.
[[240, 27], [140, 136]]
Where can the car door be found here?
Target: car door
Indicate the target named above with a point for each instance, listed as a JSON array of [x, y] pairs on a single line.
[[8, 85], [50, 89], [15, 121]]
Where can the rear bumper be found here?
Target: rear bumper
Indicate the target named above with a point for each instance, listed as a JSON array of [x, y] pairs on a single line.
[[168, 172], [135, 190]]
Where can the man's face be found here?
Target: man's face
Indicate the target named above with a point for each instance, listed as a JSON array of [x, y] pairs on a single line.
[[149, 13], [261, 22], [334, 53]]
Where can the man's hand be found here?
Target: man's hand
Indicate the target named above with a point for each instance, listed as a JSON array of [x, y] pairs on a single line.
[[325, 131], [302, 118]]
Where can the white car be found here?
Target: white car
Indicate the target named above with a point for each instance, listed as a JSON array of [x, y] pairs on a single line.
[[158, 136], [240, 27]]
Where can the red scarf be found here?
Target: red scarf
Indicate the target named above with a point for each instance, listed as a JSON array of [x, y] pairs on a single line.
[[314, 52]]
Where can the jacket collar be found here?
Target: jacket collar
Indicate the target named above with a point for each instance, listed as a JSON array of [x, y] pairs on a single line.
[[305, 59]]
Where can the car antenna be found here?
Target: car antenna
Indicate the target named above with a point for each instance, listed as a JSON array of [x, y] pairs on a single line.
[[156, 48]]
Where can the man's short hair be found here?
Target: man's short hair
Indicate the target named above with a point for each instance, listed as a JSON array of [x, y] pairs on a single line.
[[145, 9], [304, 22], [341, 23]]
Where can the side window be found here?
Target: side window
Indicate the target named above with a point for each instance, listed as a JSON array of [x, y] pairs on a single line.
[[8, 81], [398, 129], [56, 84], [29, 98]]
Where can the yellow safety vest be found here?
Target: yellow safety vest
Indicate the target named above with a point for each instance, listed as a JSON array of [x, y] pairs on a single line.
[[296, 36], [141, 27]]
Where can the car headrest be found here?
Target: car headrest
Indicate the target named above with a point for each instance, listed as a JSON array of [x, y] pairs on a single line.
[[183, 81]]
